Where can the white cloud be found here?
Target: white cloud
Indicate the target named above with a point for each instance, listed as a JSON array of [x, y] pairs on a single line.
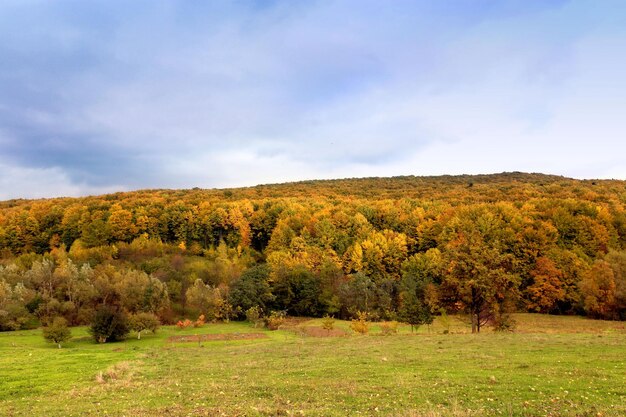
[[20, 182]]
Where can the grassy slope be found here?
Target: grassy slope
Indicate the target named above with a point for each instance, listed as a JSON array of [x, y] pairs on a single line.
[[559, 365]]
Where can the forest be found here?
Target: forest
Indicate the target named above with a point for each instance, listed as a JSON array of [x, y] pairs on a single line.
[[402, 248]]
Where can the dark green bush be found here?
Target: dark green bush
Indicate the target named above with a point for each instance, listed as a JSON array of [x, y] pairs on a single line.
[[109, 325]]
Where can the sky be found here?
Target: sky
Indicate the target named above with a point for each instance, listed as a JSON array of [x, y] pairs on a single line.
[[103, 96]]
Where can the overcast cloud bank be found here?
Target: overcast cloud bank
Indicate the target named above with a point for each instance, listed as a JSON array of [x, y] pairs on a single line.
[[111, 95]]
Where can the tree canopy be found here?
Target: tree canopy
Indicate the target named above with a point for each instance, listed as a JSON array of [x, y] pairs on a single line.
[[395, 248]]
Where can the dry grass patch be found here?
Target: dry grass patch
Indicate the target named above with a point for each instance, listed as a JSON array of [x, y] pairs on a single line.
[[216, 337], [316, 331], [120, 372]]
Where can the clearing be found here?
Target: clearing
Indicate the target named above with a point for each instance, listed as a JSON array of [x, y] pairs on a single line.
[[559, 366]]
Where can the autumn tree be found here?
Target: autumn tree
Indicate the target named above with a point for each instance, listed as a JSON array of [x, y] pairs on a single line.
[[334, 247], [547, 287], [120, 224], [598, 291], [617, 261]]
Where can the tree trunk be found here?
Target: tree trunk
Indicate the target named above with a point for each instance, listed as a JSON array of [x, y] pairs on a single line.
[[59, 345], [138, 335]]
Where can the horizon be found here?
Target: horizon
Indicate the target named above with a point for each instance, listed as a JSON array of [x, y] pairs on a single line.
[[139, 190], [108, 97]]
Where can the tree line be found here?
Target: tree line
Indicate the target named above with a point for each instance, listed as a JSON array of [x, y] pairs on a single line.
[[394, 248]]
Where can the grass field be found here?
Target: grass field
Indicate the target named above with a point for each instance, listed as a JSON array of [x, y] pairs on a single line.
[[559, 366]]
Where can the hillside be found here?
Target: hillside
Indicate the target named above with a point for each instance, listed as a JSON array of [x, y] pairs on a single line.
[[400, 248], [453, 188]]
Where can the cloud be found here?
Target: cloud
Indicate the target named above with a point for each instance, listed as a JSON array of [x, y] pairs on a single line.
[[110, 95], [18, 182]]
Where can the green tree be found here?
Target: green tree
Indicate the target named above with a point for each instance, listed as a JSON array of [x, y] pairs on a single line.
[[298, 292], [109, 325], [252, 289], [419, 274], [57, 332], [141, 322], [413, 311], [480, 275]]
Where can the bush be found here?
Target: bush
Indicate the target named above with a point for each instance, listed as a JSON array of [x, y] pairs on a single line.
[[254, 316], [184, 324], [360, 324], [109, 325], [57, 332], [200, 322], [275, 320], [389, 327], [328, 323], [144, 321]]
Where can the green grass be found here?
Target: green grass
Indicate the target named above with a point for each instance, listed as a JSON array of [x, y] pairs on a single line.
[[560, 366]]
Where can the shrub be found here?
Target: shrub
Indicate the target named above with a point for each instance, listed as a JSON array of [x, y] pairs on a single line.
[[227, 311], [200, 322], [254, 316], [109, 325], [328, 323], [275, 320], [360, 324], [184, 324], [144, 322], [389, 327], [57, 332]]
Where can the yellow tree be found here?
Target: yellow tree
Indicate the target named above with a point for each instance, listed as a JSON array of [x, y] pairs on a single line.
[[598, 291], [120, 224]]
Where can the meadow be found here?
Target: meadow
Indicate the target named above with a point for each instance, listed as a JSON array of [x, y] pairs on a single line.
[[551, 365]]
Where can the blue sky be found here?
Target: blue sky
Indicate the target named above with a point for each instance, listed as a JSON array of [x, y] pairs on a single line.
[[104, 96]]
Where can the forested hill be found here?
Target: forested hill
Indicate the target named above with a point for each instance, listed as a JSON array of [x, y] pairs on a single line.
[[392, 247], [454, 189]]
